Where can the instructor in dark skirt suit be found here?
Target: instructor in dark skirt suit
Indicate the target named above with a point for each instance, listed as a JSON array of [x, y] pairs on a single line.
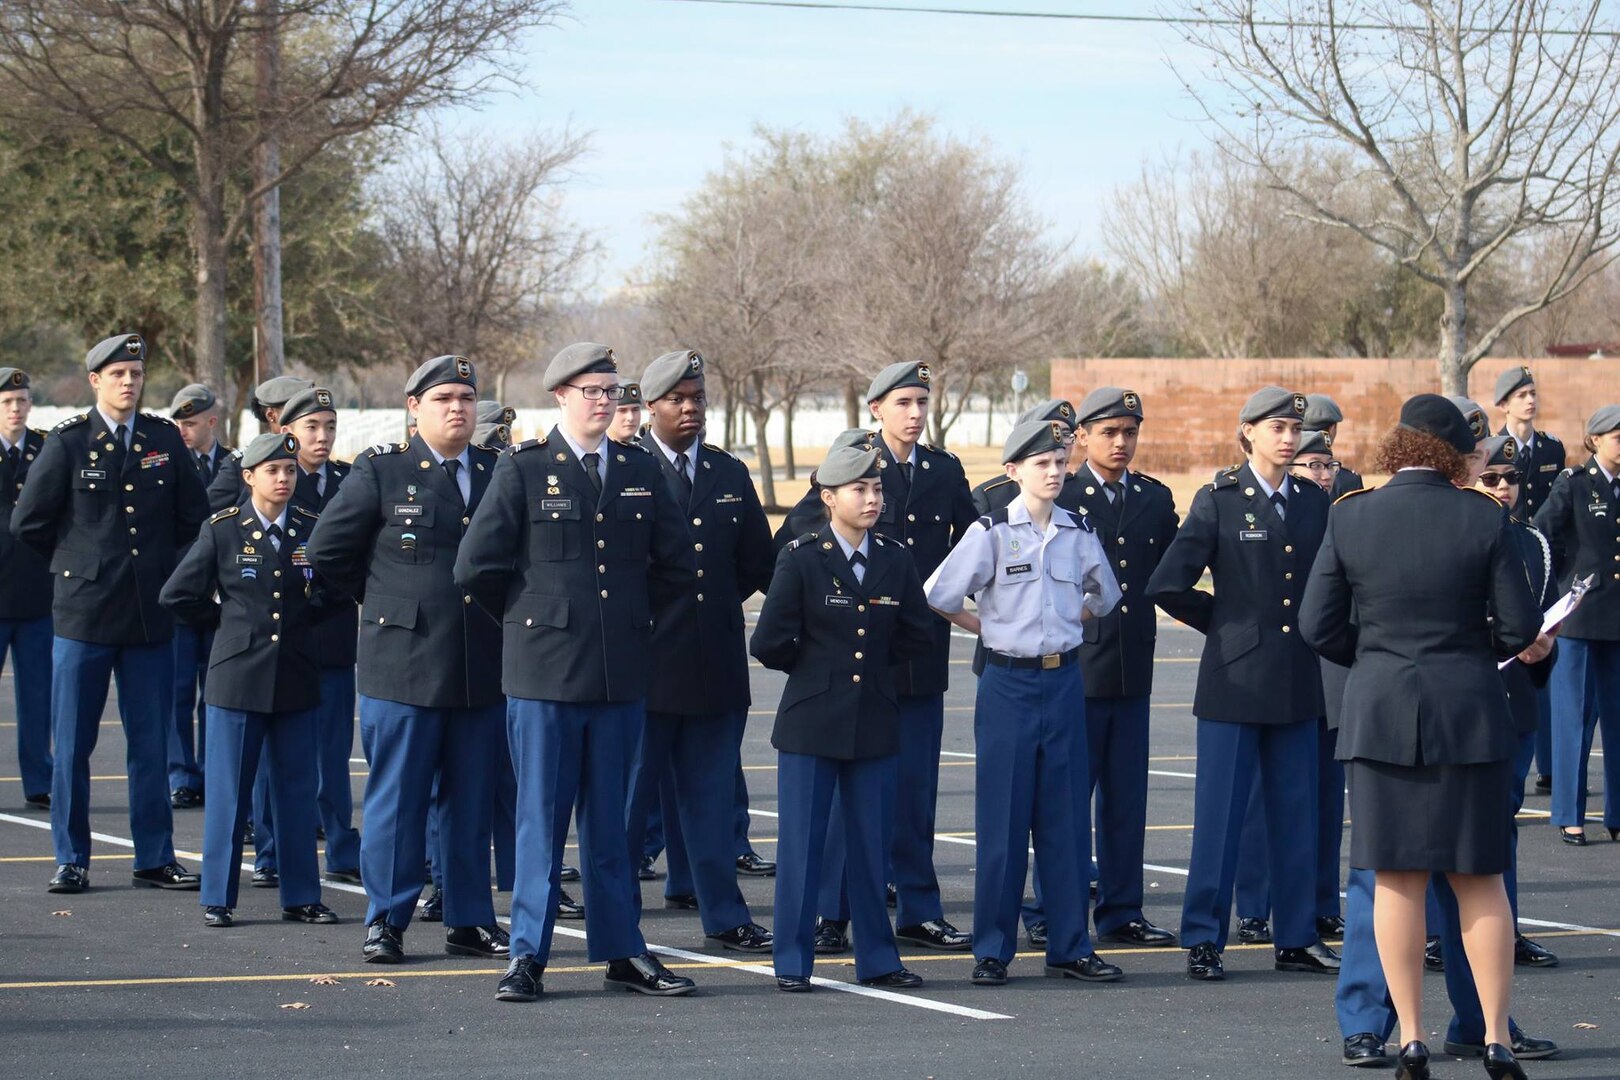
[[1440, 595]]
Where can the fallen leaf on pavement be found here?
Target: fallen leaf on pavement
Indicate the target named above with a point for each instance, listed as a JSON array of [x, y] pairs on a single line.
[[296, 1005], [379, 982], [324, 980]]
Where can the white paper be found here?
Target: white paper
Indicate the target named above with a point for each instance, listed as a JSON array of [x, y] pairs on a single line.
[[1562, 609]]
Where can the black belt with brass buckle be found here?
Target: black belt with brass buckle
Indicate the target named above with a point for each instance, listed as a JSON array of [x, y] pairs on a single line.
[[1049, 662]]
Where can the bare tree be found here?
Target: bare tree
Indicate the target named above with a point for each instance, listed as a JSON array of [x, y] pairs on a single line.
[[1484, 123], [481, 259], [118, 66], [1096, 311]]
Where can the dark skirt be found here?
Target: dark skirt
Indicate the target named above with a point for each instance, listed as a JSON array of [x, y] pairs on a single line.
[[1454, 819]]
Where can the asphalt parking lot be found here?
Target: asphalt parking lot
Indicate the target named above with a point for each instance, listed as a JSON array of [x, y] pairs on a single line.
[[127, 982]]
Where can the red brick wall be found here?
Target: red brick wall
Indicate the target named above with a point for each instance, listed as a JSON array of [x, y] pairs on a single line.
[[1192, 405]]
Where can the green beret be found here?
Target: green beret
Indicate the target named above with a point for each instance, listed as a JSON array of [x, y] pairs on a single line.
[[1604, 420], [632, 394], [895, 376], [305, 402], [190, 400], [493, 412], [120, 348], [1107, 402], [1434, 415], [1510, 380], [580, 358], [1501, 450], [1477, 423], [13, 379], [666, 372], [847, 464], [1321, 412], [269, 447], [1272, 401], [1035, 437], [1314, 442], [438, 371], [276, 392]]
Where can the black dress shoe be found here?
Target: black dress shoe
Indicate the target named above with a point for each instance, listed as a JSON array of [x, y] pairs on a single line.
[[169, 876], [1139, 932], [1315, 958], [1330, 927], [989, 972], [936, 934], [645, 871], [39, 802], [320, 832], [1434, 956], [310, 913], [1204, 963], [266, 878], [1575, 839], [753, 866], [1527, 953], [1524, 1046], [568, 873], [1543, 785], [1037, 935], [477, 941], [185, 798], [70, 879], [749, 937], [794, 984], [384, 944], [218, 918], [568, 907], [681, 902], [898, 979], [521, 981], [832, 936], [1091, 968], [1254, 931], [432, 907], [891, 897], [1365, 1049], [645, 975], [348, 876], [1500, 1065], [1413, 1063]]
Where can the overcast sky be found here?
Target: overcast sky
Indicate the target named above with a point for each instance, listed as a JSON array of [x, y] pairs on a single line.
[[664, 87]]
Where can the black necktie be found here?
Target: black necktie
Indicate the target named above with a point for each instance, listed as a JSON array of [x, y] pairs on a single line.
[[1117, 490], [452, 468], [683, 466], [13, 461], [905, 472], [274, 533], [590, 462], [1615, 487], [304, 489], [1280, 501], [857, 562], [205, 467]]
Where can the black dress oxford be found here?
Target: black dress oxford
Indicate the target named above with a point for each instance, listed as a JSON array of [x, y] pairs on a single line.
[[384, 944], [42, 801], [432, 906], [645, 975], [1330, 927], [1204, 964], [1527, 953], [681, 902], [1524, 1046], [794, 984], [1037, 935], [169, 876], [936, 934], [569, 873], [1315, 958], [1091, 968], [218, 918], [989, 972], [749, 937], [1576, 838], [1139, 932], [898, 979], [645, 871], [1434, 955], [521, 981], [347, 876], [1366, 1050], [832, 936], [1254, 932], [310, 913], [70, 879], [752, 865], [568, 907], [185, 798], [266, 878], [477, 941]]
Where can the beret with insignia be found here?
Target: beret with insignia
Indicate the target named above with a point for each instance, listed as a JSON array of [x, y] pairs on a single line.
[[269, 447], [1603, 421], [493, 412], [190, 400], [1107, 402], [668, 371], [438, 371], [847, 464], [896, 376], [13, 379], [278, 391], [120, 348], [1509, 382], [1272, 401], [580, 358], [1500, 450], [1053, 409], [306, 402], [1034, 437], [632, 394], [1321, 412], [1314, 442], [1477, 423]]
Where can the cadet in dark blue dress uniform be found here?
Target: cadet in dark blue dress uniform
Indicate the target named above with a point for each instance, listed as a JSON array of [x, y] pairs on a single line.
[[697, 701], [1323, 414], [577, 545], [268, 398], [195, 412], [263, 686], [1439, 591], [845, 608], [428, 658], [1581, 519], [1038, 575], [25, 595], [1259, 697], [111, 500]]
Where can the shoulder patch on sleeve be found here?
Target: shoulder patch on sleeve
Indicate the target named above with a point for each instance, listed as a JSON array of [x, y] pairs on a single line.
[[72, 421], [228, 512], [1363, 491]]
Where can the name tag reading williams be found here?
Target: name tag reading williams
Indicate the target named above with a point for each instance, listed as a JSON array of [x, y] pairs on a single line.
[[840, 601], [556, 504], [1251, 534]]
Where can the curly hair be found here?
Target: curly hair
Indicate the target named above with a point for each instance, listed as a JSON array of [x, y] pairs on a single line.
[[1405, 448]]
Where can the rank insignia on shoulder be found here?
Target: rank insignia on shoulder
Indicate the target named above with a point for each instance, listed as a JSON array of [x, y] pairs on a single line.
[[385, 448], [228, 512], [301, 512], [72, 421]]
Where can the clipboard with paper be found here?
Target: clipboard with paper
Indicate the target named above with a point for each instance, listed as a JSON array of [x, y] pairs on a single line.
[[1562, 609]]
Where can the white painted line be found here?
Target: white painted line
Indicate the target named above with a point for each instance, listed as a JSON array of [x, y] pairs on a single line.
[[914, 1001], [1151, 772]]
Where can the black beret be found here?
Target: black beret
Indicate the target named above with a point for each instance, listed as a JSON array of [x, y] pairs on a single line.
[[120, 348], [1604, 420], [1107, 402], [313, 400], [1271, 401], [1434, 415], [1510, 380], [269, 447], [13, 379], [669, 370], [438, 371], [895, 376], [190, 400], [1053, 409], [580, 358], [1035, 437], [847, 464]]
